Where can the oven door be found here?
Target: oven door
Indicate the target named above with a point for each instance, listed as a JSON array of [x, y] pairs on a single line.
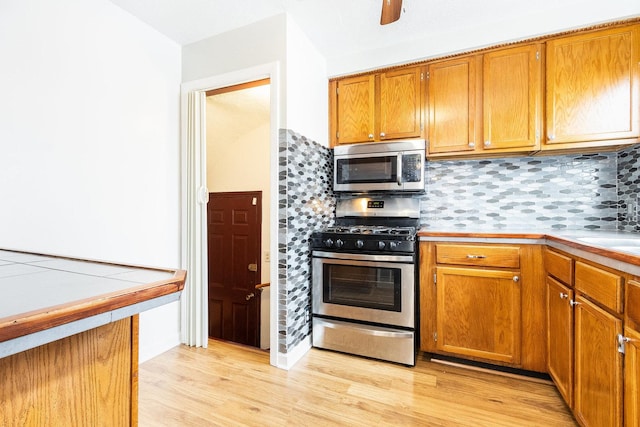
[[369, 288]]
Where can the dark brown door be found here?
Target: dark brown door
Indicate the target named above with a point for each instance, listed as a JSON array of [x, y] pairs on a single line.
[[233, 235]]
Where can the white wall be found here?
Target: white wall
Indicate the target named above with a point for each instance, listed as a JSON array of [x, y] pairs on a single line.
[[528, 21], [89, 134], [247, 47], [307, 95]]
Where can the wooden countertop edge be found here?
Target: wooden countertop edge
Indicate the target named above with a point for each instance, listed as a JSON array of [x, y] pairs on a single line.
[[483, 235], [609, 253], [39, 320]]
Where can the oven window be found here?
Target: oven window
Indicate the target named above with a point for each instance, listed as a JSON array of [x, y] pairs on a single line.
[[367, 170], [358, 286]]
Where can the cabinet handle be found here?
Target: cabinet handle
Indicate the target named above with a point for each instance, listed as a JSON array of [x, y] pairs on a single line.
[[551, 137], [487, 143], [382, 134], [472, 144], [476, 256], [563, 295], [573, 303], [516, 279], [622, 340], [370, 136]]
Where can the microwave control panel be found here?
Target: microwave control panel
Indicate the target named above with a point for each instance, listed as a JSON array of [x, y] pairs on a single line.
[[411, 168]]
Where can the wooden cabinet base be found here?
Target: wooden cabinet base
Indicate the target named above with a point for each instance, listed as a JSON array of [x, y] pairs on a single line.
[[87, 379]]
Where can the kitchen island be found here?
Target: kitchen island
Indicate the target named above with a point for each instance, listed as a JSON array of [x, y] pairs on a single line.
[[69, 337]]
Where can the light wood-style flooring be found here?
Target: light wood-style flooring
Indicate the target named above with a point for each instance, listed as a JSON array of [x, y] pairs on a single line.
[[232, 385]]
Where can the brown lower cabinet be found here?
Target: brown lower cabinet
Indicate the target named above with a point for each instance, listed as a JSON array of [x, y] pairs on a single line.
[[632, 354], [632, 378], [598, 366], [594, 365], [494, 303], [483, 302], [560, 337], [490, 330]]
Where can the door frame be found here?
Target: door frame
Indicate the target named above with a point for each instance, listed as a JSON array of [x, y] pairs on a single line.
[[199, 180]]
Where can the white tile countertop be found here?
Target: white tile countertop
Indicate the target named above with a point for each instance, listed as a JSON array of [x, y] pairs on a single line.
[[45, 297]]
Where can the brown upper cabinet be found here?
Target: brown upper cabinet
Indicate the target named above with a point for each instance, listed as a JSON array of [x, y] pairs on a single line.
[[454, 124], [377, 107], [593, 89], [512, 98], [486, 103], [576, 92]]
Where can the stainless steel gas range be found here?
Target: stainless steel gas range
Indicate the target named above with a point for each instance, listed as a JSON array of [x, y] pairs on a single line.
[[364, 279]]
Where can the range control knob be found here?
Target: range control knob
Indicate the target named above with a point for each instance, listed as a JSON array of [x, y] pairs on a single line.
[[359, 244], [339, 243], [393, 245], [381, 245], [328, 243]]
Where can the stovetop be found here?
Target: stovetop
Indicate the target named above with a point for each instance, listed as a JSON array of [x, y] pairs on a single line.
[[365, 239], [369, 229], [376, 225]]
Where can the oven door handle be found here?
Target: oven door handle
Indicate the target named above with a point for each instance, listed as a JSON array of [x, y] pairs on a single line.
[[369, 331], [363, 257]]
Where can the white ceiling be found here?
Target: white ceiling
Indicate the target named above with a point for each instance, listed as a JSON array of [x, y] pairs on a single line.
[[351, 27], [237, 113]]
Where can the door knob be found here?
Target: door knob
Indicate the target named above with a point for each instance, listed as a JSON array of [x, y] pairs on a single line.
[[251, 295]]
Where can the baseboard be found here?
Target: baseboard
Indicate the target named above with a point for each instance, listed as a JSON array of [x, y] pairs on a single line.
[[289, 359], [536, 377]]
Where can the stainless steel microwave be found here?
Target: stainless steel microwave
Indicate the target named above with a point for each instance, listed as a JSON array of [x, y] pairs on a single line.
[[396, 166]]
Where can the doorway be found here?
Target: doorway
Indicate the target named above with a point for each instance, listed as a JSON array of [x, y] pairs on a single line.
[[238, 148]]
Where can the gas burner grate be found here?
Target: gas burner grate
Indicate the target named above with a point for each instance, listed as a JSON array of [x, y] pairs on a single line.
[[369, 229]]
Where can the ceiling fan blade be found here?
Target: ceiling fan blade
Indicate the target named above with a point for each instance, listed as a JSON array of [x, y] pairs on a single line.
[[390, 11]]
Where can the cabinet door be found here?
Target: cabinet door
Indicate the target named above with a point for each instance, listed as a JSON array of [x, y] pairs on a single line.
[[452, 105], [427, 298], [400, 104], [512, 98], [355, 109], [632, 378], [598, 366], [560, 337], [593, 86], [478, 313]]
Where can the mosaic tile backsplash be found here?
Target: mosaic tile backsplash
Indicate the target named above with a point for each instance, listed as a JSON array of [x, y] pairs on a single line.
[[559, 192], [306, 203], [629, 189], [591, 191]]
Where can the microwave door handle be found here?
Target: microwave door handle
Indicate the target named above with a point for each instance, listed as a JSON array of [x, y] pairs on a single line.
[[399, 169]]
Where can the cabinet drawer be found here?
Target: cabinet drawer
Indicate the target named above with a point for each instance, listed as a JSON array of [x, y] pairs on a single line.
[[632, 301], [478, 255], [559, 266], [600, 285]]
